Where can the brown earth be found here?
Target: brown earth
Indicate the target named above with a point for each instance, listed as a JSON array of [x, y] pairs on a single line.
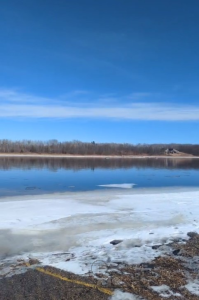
[[34, 285]]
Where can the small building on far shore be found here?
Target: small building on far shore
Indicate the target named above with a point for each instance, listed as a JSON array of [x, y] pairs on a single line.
[[171, 151]]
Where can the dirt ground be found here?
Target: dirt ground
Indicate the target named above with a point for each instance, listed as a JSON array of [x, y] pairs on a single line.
[[34, 285]]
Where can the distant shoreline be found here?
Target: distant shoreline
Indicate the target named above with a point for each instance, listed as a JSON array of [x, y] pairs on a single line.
[[34, 155]]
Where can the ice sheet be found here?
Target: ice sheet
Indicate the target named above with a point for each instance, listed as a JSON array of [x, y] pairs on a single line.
[[73, 231]]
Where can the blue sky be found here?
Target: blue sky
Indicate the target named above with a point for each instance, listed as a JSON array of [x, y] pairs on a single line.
[[108, 70]]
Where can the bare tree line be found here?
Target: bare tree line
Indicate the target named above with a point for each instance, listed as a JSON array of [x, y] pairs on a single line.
[[82, 148]]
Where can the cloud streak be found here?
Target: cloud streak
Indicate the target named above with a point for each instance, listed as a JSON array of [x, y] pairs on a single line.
[[136, 111], [14, 105]]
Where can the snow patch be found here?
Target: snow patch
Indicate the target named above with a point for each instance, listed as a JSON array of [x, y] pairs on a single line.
[[119, 295], [193, 287], [165, 291], [120, 186]]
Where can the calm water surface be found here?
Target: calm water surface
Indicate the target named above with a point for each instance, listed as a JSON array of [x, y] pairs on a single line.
[[48, 175]]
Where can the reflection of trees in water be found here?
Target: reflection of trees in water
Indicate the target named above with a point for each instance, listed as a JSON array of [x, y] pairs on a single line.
[[54, 164]]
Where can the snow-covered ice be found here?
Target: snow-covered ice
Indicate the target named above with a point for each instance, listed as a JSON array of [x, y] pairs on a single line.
[[73, 231], [121, 185]]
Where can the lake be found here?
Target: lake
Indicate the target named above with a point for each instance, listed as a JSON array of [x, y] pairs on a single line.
[[29, 176]]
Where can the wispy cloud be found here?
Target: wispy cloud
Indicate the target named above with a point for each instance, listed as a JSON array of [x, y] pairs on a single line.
[[13, 96], [136, 111], [16, 105]]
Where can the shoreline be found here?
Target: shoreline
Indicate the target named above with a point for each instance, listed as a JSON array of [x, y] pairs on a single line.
[[152, 252], [96, 156], [173, 273]]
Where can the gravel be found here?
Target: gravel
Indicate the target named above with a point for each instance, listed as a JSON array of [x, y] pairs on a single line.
[[34, 285]]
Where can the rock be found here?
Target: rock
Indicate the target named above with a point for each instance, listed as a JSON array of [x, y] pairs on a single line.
[[192, 234], [176, 252], [155, 247], [116, 242], [148, 266], [68, 259], [34, 261]]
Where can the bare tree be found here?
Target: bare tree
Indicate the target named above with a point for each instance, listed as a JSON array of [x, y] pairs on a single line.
[[93, 148]]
